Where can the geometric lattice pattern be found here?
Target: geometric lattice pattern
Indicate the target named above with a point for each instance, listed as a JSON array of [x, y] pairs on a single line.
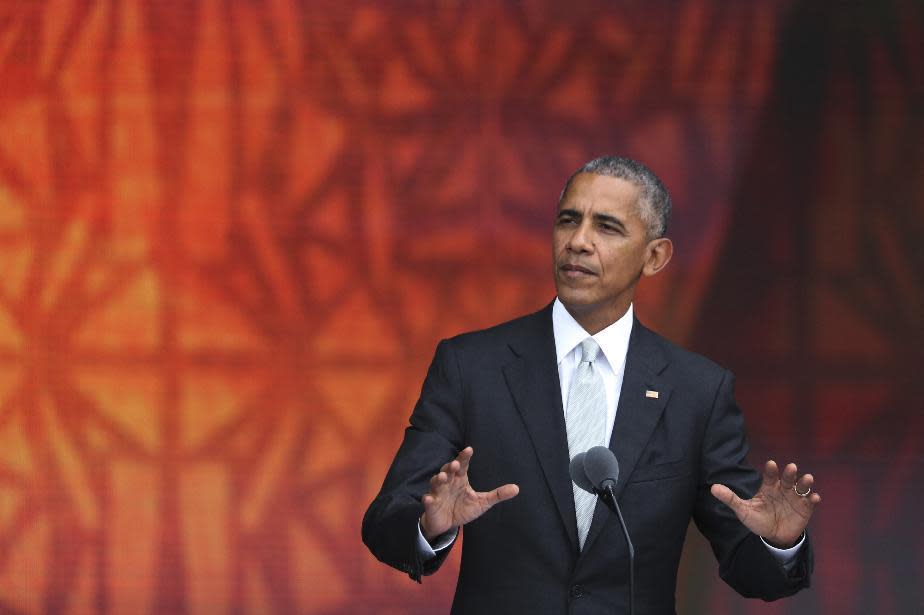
[[233, 232], [826, 256]]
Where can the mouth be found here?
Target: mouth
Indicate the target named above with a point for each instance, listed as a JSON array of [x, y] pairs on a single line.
[[575, 271]]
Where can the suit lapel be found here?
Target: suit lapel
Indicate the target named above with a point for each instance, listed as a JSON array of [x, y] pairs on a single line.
[[637, 413], [533, 381]]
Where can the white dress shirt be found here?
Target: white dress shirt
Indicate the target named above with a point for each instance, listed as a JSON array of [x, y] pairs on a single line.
[[610, 363]]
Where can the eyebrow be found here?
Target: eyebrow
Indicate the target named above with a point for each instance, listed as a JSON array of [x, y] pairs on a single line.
[[573, 213]]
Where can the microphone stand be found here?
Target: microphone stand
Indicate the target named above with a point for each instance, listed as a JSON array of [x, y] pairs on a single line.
[[609, 497]]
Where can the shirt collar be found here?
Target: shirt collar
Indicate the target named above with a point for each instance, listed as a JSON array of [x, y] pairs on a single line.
[[613, 340]]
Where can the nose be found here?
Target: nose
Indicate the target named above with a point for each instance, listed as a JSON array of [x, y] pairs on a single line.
[[581, 239]]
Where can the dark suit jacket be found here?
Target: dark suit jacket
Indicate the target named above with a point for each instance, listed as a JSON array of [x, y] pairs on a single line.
[[498, 391]]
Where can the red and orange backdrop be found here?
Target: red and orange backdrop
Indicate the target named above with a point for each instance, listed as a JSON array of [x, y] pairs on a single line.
[[232, 232]]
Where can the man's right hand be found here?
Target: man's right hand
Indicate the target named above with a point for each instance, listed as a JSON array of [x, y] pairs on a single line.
[[451, 501]]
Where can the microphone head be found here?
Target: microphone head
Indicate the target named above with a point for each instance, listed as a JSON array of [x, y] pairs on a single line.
[[576, 470], [601, 467]]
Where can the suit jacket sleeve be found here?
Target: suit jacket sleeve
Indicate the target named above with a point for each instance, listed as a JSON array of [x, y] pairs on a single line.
[[435, 435], [744, 561]]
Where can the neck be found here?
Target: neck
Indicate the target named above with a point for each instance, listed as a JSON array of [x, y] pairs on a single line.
[[596, 320]]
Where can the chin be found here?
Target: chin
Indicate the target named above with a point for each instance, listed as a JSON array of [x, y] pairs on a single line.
[[575, 300]]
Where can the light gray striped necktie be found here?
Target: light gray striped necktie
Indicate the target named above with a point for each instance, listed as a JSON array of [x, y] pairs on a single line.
[[585, 421]]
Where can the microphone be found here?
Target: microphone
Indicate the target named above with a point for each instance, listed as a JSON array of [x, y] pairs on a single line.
[[578, 475], [601, 468], [597, 471]]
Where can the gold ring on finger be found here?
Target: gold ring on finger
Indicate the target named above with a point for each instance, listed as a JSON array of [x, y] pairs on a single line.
[[799, 493]]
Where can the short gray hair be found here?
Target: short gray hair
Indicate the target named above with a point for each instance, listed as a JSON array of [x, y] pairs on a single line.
[[654, 201]]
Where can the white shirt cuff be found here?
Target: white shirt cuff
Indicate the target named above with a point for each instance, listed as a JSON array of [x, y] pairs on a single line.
[[426, 551], [785, 557]]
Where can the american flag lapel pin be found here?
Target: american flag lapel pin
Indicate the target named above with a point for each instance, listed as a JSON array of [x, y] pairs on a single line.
[[651, 394]]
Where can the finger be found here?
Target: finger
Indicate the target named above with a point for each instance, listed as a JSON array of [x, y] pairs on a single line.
[[438, 480], [431, 510], [805, 483], [464, 457], [431, 505], [803, 488], [788, 477], [505, 492], [727, 497], [771, 473]]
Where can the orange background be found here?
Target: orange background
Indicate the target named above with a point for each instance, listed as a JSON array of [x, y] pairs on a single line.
[[231, 234]]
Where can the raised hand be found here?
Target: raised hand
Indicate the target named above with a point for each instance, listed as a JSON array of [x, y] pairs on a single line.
[[451, 501], [780, 509]]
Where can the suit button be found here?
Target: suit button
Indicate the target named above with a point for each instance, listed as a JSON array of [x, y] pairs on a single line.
[[576, 591]]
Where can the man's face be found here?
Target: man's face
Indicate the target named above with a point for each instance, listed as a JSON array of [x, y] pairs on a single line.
[[600, 248]]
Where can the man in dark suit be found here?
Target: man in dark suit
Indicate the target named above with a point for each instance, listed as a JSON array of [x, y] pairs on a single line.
[[511, 405]]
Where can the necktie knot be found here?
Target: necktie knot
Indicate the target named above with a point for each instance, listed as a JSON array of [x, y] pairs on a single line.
[[589, 350]]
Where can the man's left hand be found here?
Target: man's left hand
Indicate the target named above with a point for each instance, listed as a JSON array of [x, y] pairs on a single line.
[[780, 510]]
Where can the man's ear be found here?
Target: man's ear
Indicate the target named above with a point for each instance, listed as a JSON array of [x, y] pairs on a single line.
[[659, 255]]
